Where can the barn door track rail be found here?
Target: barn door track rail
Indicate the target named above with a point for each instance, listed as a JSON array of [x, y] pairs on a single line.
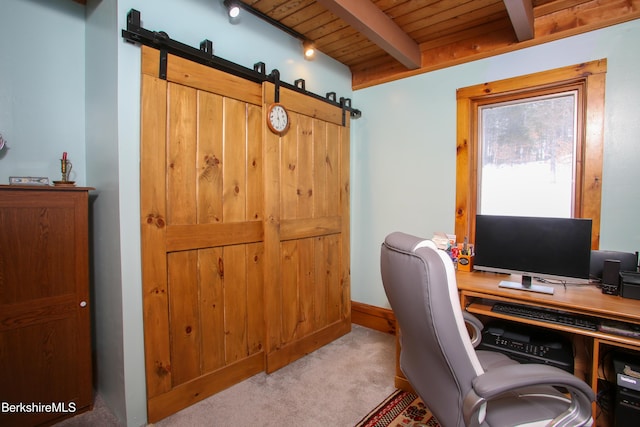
[[204, 55]]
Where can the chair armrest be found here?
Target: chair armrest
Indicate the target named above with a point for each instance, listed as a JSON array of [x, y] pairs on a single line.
[[512, 378], [475, 326]]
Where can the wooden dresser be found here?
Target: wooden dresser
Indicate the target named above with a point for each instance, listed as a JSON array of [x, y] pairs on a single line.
[[45, 336]]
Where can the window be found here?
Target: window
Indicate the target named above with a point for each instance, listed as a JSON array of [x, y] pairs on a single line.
[[527, 155], [532, 145]]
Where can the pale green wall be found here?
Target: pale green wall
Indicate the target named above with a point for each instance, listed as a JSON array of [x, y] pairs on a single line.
[[41, 88], [403, 148], [103, 173]]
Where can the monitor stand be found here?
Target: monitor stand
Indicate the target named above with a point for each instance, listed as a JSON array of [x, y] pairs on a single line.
[[526, 285]]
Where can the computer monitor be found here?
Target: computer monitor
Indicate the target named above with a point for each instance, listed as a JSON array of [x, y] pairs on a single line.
[[550, 248]]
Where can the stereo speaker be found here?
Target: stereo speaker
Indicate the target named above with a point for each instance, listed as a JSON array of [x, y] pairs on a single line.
[[611, 272], [611, 276]]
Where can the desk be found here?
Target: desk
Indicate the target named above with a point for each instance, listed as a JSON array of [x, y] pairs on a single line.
[[478, 290]]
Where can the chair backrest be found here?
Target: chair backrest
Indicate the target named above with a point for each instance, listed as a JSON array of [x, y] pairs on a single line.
[[437, 356]]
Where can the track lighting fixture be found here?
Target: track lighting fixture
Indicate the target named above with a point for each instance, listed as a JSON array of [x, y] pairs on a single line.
[[309, 49], [234, 6]]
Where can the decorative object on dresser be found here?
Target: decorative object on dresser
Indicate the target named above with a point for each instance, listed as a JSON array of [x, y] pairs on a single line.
[[28, 180]]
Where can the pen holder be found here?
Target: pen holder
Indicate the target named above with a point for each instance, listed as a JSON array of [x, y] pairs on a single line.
[[65, 169], [465, 262]]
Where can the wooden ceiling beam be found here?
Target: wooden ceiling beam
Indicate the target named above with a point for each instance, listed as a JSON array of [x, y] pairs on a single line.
[[521, 15], [366, 17]]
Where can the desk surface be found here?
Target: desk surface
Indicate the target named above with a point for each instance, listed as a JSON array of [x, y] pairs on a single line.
[[585, 299]]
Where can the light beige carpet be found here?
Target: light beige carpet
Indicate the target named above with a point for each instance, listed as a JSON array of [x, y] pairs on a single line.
[[337, 385]]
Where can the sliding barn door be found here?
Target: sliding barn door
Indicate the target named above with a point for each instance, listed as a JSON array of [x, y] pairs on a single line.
[[202, 231], [307, 288], [245, 234]]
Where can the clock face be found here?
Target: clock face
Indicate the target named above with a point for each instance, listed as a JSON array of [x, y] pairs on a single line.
[[278, 119]]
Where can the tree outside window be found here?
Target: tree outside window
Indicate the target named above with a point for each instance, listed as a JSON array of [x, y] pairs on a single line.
[[528, 156]]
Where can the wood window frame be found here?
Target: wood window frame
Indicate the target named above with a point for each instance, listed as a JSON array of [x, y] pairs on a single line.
[[589, 78]]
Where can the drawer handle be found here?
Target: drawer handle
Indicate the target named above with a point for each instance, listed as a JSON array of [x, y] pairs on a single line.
[[83, 304]]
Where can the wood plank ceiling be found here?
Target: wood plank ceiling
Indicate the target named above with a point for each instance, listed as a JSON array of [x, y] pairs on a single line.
[[382, 40]]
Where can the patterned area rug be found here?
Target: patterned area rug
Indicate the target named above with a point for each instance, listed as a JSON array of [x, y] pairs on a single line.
[[401, 409]]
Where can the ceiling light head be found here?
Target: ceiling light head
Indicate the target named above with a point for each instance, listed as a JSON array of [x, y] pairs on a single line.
[[308, 49], [233, 8]]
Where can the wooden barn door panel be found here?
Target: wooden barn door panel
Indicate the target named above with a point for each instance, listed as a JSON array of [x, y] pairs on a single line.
[[202, 232], [307, 229], [245, 234]]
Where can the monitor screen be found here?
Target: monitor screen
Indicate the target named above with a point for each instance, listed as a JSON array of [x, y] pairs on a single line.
[[552, 248]]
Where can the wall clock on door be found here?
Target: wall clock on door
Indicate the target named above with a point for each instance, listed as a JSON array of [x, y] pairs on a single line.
[[277, 118]]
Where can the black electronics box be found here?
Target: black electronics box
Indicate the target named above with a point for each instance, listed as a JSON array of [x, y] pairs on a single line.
[[528, 344], [627, 401], [630, 284]]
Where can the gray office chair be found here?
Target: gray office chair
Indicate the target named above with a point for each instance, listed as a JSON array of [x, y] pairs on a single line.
[[460, 386]]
